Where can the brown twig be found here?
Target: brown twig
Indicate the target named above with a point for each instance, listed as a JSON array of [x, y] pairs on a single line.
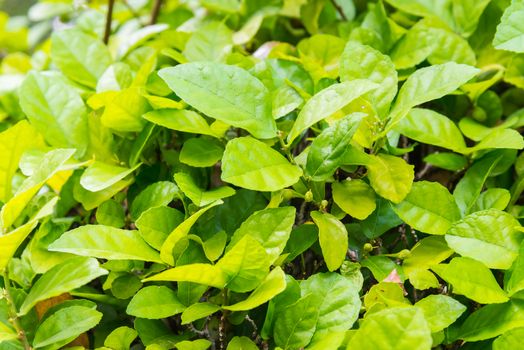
[[109, 19], [339, 10], [155, 12]]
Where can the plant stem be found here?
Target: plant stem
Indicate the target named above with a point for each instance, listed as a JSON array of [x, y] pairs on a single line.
[[13, 317], [155, 12], [109, 19]]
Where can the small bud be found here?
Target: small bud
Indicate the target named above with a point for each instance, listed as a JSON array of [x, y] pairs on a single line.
[[308, 197], [368, 247], [404, 253]]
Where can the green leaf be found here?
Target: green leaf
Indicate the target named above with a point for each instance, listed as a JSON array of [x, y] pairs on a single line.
[[246, 264], [155, 302], [200, 152], [155, 195], [241, 343], [211, 42], [51, 163], [509, 340], [209, 275], [271, 227], [510, 32], [514, 277], [364, 62], [199, 344], [429, 208], [440, 311], [197, 195], [492, 320], [295, 325], [71, 274], [392, 329], [489, 236], [6, 333], [328, 148], [181, 231], [155, 224], [327, 102], [469, 187], [65, 325], [105, 242], [333, 238], [427, 252], [428, 84], [448, 161], [336, 299], [79, 56], [55, 109], [180, 120], [99, 176], [432, 128], [124, 111], [272, 285], [13, 143], [391, 177], [472, 279], [252, 164], [355, 197], [197, 311], [121, 338], [226, 93], [111, 213]]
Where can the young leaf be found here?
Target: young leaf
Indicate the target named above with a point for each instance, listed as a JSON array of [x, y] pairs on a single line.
[[246, 264], [272, 285], [489, 236], [333, 238], [252, 164], [429, 208], [155, 302], [510, 32], [105, 242], [79, 56], [180, 120], [197, 311], [270, 227], [13, 143], [55, 109], [440, 311], [492, 320], [295, 325], [393, 329], [206, 274], [71, 274], [472, 279], [65, 325], [355, 197], [328, 148], [327, 102], [155, 195], [428, 84], [432, 128], [181, 231], [226, 93], [155, 224], [391, 177], [198, 196], [201, 152], [336, 299], [98, 176], [364, 62]]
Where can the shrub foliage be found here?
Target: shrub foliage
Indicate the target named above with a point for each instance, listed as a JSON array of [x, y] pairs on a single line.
[[248, 174]]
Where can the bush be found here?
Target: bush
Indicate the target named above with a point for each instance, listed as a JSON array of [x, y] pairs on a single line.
[[231, 174]]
